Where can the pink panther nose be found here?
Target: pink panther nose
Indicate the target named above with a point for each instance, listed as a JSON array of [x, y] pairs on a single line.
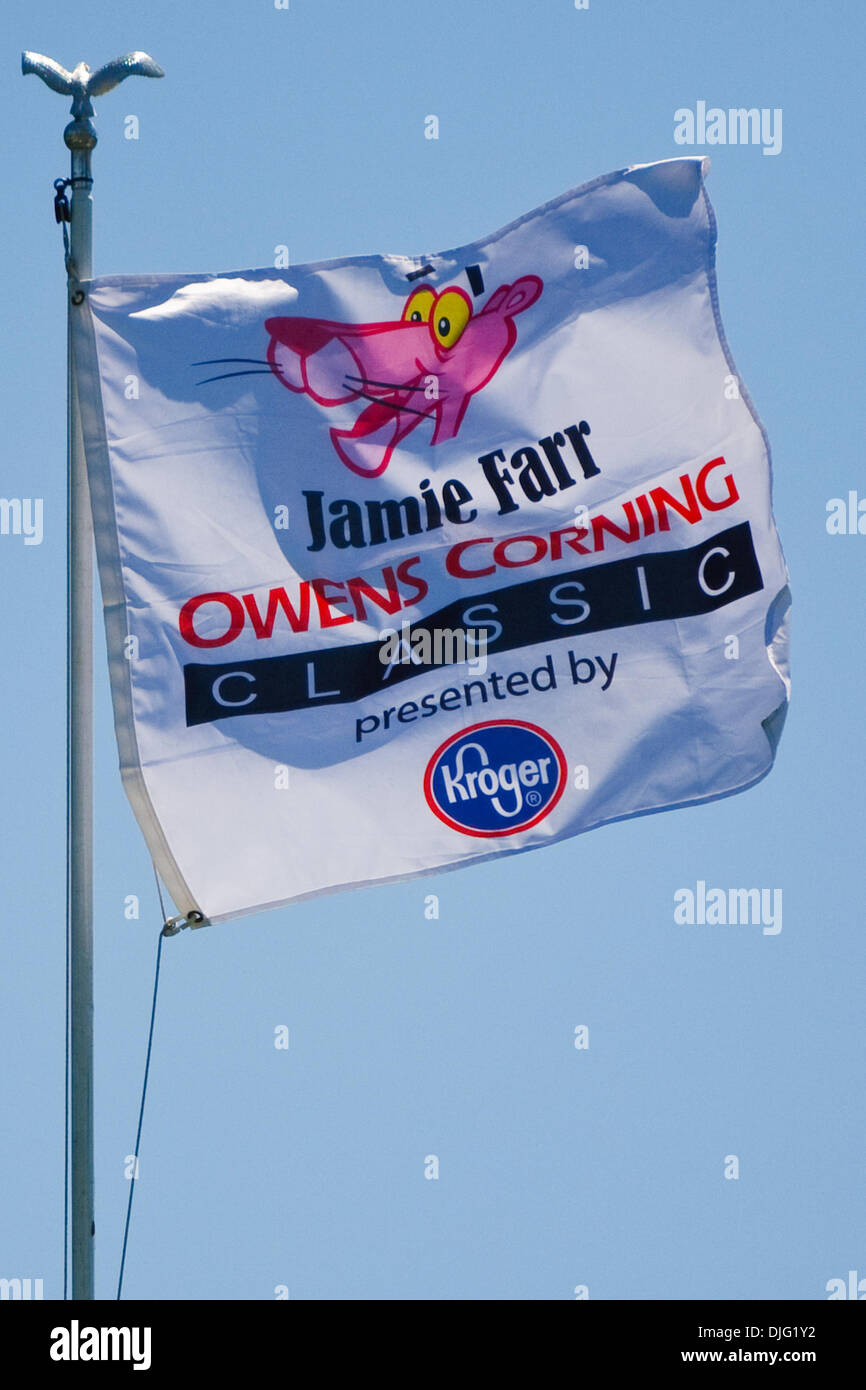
[[301, 335]]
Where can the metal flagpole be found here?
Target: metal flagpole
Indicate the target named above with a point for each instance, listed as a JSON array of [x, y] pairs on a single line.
[[80, 138]]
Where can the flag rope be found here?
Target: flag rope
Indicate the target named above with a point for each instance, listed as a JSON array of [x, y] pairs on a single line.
[[162, 933], [66, 1084]]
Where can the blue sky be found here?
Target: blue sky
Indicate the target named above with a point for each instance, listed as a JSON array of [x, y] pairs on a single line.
[[558, 1167]]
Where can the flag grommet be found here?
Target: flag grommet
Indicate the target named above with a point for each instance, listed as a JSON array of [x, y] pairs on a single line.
[[173, 925]]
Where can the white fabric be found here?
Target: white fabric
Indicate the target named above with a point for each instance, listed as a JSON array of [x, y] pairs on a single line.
[[597, 310]]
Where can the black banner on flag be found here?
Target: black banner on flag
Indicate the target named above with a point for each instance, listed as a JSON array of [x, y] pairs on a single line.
[[646, 588]]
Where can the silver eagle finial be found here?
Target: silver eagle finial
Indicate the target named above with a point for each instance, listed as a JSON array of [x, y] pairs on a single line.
[[82, 84]]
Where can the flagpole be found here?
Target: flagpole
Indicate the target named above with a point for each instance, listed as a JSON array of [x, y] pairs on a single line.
[[80, 139]]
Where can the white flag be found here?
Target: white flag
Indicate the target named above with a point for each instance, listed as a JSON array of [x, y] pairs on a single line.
[[412, 561]]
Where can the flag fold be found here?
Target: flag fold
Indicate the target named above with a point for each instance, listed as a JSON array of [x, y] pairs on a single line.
[[408, 562]]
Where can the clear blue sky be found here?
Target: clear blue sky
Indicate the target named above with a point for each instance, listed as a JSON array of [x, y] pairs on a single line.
[[454, 1037]]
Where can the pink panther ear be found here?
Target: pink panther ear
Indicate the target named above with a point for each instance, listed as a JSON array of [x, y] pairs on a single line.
[[522, 293]]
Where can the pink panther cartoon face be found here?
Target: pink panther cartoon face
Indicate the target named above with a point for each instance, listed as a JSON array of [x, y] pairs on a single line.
[[425, 365]]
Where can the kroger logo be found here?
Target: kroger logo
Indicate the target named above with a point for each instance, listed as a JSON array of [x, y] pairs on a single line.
[[495, 778]]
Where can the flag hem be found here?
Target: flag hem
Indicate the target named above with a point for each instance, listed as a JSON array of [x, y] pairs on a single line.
[[101, 489]]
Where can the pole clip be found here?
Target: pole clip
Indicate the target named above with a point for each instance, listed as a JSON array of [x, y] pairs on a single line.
[[173, 925], [62, 211]]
